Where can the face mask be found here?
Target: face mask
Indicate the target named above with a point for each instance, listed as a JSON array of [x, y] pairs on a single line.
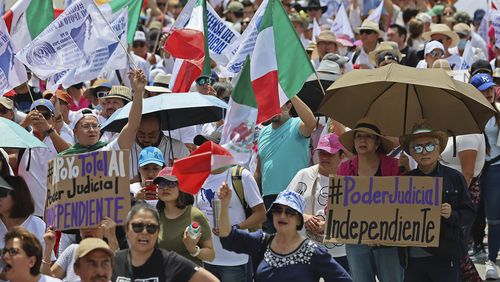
[[342, 51], [462, 43]]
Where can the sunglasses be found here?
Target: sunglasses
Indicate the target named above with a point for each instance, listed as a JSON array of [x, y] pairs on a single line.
[[101, 94], [429, 148], [11, 251], [366, 31], [139, 227], [436, 54], [204, 80], [288, 211], [165, 183]]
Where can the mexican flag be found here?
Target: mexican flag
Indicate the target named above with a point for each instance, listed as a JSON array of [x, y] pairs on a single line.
[[193, 170], [26, 19], [279, 65], [134, 10], [238, 133], [189, 46]]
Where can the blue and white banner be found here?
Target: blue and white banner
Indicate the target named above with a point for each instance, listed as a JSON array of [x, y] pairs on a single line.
[[77, 46], [12, 71]]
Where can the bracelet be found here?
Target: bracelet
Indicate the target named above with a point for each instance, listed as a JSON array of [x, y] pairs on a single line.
[[46, 262], [196, 252]]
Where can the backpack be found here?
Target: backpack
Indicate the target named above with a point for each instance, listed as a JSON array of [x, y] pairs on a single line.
[[236, 173]]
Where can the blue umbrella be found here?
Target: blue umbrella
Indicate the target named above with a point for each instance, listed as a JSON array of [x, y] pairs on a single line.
[[176, 111], [15, 136]]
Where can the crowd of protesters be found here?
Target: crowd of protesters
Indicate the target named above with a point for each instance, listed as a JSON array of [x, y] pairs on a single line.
[[274, 231]]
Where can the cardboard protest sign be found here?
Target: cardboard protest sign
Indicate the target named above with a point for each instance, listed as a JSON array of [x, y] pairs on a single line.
[[84, 188], [391, 211]]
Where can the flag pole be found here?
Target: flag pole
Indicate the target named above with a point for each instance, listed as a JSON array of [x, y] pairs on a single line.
[[161, 30], [116, 36], [29, 91], [319, 82]]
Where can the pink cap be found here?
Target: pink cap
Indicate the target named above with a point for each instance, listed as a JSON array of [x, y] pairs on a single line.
[[330, 143], [344, 40], [358, 43], [165, 173]]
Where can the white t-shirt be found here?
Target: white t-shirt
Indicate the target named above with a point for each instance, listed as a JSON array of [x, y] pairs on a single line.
[[304, 183], [236, 212], [474, 142], [66, 261], [185, 134], [36, 176], [179, 149]]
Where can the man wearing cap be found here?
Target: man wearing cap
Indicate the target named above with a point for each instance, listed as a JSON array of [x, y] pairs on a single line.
[[99, 90], [398, 34], [62, 97], [443, 262], [116, 99], [234, 14], [300, 25], [93, 260], [326, 42], [315, 11], [386, 53], [140, 48], [370, 33], [449, 39], [204, 85], [33, 163], [313, 184]]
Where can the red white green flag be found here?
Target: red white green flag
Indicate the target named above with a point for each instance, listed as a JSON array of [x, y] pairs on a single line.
[[193, 170], [134, 11], [26, 19], [189, 45]]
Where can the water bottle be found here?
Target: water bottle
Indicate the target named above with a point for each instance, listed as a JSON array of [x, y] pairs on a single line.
[[193, 230], [216, 205]]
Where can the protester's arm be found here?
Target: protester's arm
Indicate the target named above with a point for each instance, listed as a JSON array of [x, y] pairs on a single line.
[[45, 268], [202, 275], [306, 115], [468, 163], [258, 216], [38, 121], [127, 136], [224, 195], [109, 230]]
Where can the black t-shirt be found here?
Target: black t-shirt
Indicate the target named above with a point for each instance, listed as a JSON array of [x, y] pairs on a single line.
[[162, 266]]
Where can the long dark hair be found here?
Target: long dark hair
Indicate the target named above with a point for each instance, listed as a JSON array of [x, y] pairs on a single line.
[[182, 201]]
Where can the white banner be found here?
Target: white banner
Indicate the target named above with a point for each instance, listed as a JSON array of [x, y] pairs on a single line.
[[495, 20], [376, 13], [12, 71], [76, 46]]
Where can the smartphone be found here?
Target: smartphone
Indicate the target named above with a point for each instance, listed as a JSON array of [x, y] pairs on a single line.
[[150, 187]]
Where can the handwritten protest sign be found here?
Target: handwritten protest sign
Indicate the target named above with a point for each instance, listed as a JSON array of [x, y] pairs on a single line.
[[84, 188], [392, 211]]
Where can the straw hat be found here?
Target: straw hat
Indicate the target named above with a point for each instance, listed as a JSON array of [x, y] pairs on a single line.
[[423, 129], [370, 25], [118, 91], [160, 84], [389, 46], [442, 29], [366, 125]]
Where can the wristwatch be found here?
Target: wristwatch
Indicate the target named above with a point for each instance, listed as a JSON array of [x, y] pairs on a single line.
[[49, 131]]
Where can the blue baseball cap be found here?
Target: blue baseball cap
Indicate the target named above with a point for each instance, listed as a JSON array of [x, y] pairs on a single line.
[[43, 103], [290, 199], [151, 155], [482, 81]]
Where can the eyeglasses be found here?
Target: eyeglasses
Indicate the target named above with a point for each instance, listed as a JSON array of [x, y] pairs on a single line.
[[429, 148], [436, 54], [11, 251], [204, 80], [287, 210], [89, 126], [165, 183], [366, 31], [101, 94], [139, 227], [46, 115]]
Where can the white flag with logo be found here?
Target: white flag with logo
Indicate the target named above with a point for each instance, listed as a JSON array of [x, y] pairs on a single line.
[[77, 46], [12, 71]]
